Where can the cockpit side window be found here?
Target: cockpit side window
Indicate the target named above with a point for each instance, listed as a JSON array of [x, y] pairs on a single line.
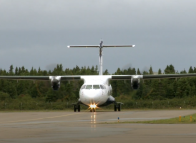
[[102, 86], [88, 87], [96, 87], [83, 86]]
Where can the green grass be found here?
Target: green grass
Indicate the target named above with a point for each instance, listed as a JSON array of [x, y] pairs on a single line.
[[184, 120]]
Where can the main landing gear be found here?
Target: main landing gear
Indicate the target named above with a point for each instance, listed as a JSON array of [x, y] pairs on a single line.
[[77, 107], [117, 106]]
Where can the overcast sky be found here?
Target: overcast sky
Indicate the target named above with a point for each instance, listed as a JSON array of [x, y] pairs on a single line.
[[36, 33]]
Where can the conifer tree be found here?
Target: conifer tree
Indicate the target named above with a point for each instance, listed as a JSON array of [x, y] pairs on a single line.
[[106, 72], [150, 70], [159, 71], [11, 70], [16, 71], [194, 69], [183, 72], [138, 72], [32, 71], [169, 69], [191, 70]]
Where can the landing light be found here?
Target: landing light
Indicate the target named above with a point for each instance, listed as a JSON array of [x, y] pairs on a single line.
[[93, 106]]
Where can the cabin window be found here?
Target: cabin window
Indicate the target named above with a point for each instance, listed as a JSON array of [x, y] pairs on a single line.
[[96, 87], [88, 86], [102, 86]]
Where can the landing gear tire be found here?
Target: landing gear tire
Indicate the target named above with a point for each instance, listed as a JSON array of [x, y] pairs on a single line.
[[92, 110], [119, 107], [115, 108], [78, 108]]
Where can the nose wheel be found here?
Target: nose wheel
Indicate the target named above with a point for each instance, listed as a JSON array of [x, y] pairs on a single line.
[[92, 110], [92, 107]]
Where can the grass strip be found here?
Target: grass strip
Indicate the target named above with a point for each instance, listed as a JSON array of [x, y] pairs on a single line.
[[184, 120]]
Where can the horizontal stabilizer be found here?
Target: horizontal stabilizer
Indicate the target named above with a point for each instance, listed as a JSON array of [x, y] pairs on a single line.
[[83, 46], [107, 46], [98, 46]]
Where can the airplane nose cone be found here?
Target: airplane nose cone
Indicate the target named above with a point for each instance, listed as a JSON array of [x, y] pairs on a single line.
[[92, 95]]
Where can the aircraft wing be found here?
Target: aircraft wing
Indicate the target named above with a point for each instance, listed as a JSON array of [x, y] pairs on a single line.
[[41, 77], [121, 77], [71, 77], [160, 76], [113, 77], [168, 76]]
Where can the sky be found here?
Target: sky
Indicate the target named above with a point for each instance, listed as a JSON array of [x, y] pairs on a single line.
[[35, 33]]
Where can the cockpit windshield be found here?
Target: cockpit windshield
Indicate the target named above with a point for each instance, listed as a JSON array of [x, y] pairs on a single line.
[[96, 87], [88, 87]]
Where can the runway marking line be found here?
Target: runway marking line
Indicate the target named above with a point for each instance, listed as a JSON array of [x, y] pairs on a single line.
[[39, 118]]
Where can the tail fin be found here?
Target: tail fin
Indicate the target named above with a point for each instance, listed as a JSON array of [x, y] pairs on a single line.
[[100, 46]]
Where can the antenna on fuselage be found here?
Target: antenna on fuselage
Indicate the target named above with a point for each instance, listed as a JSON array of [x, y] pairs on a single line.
[[100, 46]]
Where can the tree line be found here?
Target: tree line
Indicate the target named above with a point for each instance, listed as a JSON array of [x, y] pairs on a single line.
[[155, 89]]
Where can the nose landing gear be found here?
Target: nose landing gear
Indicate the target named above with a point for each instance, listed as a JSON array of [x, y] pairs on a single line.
[[93, 107], [92, 110]]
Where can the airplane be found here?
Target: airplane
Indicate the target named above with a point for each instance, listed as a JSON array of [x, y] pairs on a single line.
[[96, 91]]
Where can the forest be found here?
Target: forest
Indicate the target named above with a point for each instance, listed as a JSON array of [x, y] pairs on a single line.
[[164, 93]]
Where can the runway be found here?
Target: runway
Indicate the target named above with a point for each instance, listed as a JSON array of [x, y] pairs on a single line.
[[63, 126]]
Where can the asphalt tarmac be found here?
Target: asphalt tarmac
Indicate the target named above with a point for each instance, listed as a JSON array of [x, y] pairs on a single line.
[[87, 127]]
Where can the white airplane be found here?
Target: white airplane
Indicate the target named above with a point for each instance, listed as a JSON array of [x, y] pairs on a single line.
[[96, 90]]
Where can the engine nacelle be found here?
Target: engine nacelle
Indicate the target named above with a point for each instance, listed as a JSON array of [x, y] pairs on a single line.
[[55, 82], [135, 81]]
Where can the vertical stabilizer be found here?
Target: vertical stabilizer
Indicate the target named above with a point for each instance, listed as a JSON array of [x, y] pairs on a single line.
[[101, 58]]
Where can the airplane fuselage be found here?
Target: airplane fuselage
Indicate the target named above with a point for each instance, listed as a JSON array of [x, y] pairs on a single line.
[[96, 90]]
